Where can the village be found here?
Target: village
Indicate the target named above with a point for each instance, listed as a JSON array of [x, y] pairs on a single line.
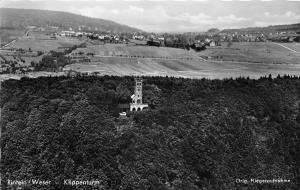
[[24, 54], [149, 95]]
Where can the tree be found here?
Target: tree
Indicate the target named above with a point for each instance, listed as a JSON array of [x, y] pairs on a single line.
[[229, 44]]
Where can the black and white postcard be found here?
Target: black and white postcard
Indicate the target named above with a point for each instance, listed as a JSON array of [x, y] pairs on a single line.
[[149, 94]]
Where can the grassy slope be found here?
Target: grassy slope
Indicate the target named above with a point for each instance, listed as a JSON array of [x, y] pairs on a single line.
[[7, 35], [131, 59], [290, 27], [39, 41], [146, 51], [180, 68], [294, 46], [195, 68], [254, 52], [43, 45], [21, 18]]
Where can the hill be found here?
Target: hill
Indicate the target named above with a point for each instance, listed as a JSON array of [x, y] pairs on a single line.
[[275, 28], [22, 18]]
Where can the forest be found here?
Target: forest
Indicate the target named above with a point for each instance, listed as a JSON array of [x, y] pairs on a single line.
[[12, 18], [274, 28], [197, 135]]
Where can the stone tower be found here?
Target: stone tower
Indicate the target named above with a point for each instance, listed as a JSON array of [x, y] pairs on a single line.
[[137, 97]]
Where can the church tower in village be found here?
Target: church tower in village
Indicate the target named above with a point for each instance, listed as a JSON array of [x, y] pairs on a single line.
[[137, 97]]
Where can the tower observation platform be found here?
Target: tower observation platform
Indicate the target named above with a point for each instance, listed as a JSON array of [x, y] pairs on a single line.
[[137, 97]]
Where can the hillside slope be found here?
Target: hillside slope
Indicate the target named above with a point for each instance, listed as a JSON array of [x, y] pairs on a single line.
[[22, 18], [136, 51], [277, 28]]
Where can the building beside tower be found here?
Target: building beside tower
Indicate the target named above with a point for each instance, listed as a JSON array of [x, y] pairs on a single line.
[[137, 97]]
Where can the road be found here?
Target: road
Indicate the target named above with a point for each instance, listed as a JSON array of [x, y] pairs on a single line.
[[287, 47], [13, 41], [154, 58], [8, 44]]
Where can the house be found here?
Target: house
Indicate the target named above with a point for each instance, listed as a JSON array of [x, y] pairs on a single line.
[[68, 33], [207, 40], [138, 37], [212, 44], [78, 34]]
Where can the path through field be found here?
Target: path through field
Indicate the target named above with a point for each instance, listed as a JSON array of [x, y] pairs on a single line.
[[287, 47], [154, 58], [9, 44]]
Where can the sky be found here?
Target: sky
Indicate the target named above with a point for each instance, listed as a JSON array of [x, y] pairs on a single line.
[[176, 15]]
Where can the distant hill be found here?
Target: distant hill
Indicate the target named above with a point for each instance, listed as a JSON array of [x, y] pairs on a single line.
[[22, 18], [213, 30], [275, 28]]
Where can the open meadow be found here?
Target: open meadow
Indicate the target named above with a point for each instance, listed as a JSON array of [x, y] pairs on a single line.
[[293, 46], [136, 51], [42, 41], [43, 44], [32, 42], [241, 59], [260, 52], [183, 68], [252, 59], [8, 35]]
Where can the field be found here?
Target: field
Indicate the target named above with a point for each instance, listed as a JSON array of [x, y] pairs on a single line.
[[258, 52], [293, 46], [44, 45], [35, 41], [240, 59], [42, 41], [181, 68], [7, 35], [136, 51]]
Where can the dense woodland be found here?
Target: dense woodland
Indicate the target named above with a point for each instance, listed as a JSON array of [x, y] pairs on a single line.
[[198, 134], [277, 28]]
